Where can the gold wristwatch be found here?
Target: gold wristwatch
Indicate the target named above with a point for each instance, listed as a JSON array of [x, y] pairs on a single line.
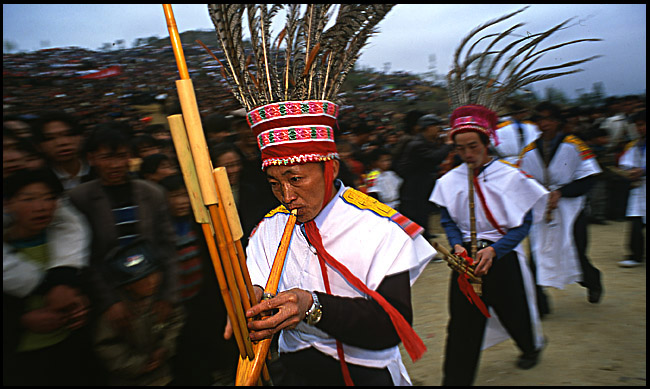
[[315, 312]]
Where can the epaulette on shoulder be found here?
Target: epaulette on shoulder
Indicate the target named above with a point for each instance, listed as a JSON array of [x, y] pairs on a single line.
[[630, 144], [529, 147], [583, 149], [270, 214], [516, 167], [278, 209], [365, 202], [504, 123]]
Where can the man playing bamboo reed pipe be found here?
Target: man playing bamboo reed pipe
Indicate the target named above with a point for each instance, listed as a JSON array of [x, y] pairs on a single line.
[[504, 202], [348, 251]]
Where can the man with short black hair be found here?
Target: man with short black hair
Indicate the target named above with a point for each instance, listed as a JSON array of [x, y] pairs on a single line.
[[566, 166]]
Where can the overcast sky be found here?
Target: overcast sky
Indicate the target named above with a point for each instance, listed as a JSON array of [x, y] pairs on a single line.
[[408, 37]]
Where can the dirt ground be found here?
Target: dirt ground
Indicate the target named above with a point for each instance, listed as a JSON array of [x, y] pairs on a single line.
[[588, 344]]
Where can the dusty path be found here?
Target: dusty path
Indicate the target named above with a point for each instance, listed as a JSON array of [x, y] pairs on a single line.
[[603, 344]]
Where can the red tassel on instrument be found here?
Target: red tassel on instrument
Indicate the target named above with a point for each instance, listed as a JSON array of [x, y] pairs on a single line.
[[467, 289]]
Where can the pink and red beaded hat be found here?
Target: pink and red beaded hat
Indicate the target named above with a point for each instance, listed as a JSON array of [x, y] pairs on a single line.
[[295, 132], [473, 118]]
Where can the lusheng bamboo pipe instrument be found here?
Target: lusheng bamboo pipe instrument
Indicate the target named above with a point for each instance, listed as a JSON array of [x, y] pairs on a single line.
[[206, 184], [472, 224], [211, 189], [248, 371]]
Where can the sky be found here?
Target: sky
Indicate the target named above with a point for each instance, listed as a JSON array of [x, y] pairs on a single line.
[[409, 37]]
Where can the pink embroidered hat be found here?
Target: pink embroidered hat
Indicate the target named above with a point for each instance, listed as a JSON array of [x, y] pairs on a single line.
[[475, 118], [295, 132]]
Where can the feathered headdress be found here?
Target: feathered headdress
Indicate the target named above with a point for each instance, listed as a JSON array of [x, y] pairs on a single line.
[[485, 79], [288, 81]]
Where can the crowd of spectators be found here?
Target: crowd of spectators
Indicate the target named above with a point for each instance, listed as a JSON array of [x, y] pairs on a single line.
[[52, 117]]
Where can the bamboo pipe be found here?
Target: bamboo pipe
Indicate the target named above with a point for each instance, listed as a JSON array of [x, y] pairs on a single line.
[[201, 158], [472, 224], [248, 372], [472, 213], [191, 114], [238, 298], [229, 217], [181, 143]]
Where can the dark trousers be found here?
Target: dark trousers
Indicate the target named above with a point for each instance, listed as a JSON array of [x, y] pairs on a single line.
[[313, 368], [503, 290], [590, 274], [636, 242]]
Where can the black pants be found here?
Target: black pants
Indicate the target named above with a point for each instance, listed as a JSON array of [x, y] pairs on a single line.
[[636, 242], [313, 368], [590, 275], [503, 290]]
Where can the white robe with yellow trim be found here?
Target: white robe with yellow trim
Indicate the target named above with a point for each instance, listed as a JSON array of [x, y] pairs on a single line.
[[510, 146], [509, 194], [361, 237], [552, 244], [635, 157]]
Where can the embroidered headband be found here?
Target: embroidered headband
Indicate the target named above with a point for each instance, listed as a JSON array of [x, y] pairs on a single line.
[[293, 132]]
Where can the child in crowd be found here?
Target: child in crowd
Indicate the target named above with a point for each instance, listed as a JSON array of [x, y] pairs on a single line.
[[140, 354], [155, 167], [381, 182], [202, 357]]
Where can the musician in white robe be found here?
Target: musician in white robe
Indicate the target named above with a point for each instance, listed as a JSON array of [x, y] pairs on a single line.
[[633, 161], [348, 252], [567, 168], [514, 133], [505, 203]]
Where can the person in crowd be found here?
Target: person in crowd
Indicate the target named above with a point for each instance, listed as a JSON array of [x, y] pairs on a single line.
[[253, 198], [22, 154], [203, 356], [567, 168], [621, 131], [59, 137], [121, 209], [20, 126], [144, 145], [597, 198], [140, 356], [351, 169], [418, 166], [217, 129], [159, 132], [382, 183], [155, 167], [45, 305], [633, 161], [501, 222], [514, 133]]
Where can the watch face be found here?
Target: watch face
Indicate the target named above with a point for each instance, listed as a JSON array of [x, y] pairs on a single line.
[[315, 317]]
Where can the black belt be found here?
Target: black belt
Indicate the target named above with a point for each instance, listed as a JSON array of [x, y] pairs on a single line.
[[480, 244]]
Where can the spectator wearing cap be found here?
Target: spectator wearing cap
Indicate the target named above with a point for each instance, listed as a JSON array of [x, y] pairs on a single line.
[[140, 355], [418, 166]]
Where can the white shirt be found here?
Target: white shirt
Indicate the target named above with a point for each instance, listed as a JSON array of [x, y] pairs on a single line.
[[635, 157], [552, 243], [358, 231]]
